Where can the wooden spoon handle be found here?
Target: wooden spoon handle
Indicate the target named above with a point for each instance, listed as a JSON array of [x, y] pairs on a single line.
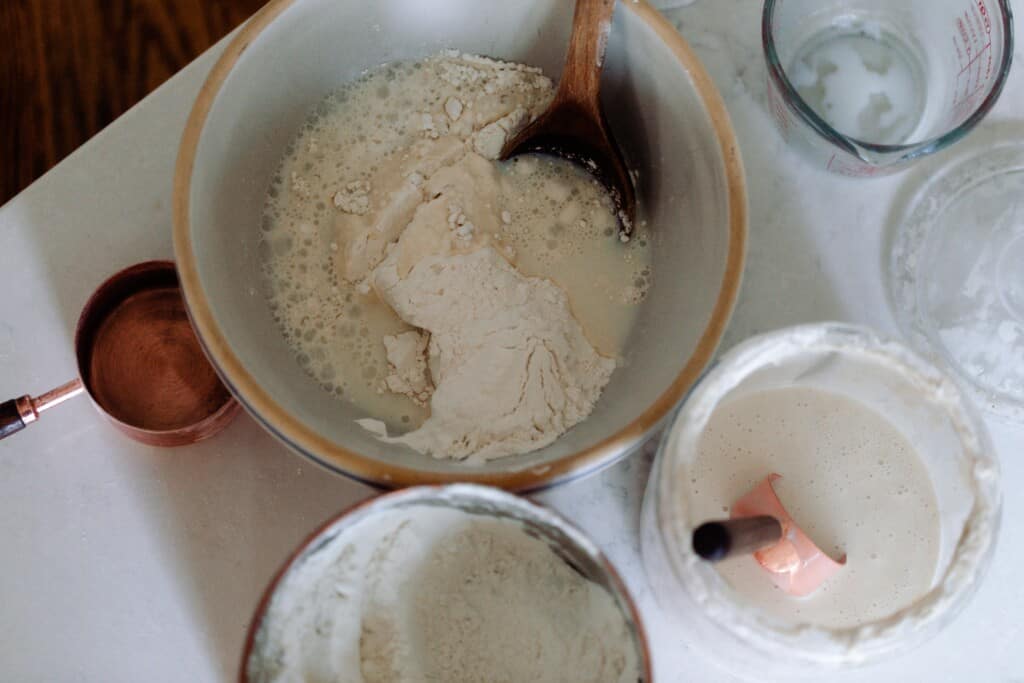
[[716, 541], [581, 78]]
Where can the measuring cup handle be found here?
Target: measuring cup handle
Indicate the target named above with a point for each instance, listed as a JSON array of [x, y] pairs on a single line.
[[11, 420], [20, 412]]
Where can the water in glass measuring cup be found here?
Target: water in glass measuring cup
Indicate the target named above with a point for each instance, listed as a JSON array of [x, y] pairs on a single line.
[[868, 86], [865, 83]]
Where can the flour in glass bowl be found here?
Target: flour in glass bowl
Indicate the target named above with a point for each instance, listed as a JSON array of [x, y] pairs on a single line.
[[391, 187], [427, 594]]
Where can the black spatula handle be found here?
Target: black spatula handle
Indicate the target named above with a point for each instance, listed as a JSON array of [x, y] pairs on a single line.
[[11, 421], [715, 541]]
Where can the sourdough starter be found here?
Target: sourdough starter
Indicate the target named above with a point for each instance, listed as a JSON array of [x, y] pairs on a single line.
[[478, 307], [849, 479]]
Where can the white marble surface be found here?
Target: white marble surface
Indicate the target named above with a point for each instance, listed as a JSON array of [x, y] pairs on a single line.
[[126, 563]]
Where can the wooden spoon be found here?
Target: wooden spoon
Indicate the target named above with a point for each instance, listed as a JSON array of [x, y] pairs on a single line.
[[574, 126]]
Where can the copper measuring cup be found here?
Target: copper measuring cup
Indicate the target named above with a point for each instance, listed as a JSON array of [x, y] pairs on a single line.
[[141, 364]]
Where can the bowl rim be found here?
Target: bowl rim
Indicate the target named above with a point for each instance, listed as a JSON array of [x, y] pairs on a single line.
[[293, 432], [362, 510]]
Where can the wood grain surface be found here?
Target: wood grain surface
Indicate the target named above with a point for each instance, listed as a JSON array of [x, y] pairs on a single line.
[[69, 67]]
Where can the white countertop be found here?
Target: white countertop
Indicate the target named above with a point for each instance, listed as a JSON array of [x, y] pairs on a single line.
[[128, 563]]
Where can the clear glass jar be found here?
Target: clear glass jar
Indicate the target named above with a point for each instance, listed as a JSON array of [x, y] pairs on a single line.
[[930, 411]]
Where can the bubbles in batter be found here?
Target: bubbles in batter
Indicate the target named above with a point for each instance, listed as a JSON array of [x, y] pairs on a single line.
[[556, 221], [851, 481]]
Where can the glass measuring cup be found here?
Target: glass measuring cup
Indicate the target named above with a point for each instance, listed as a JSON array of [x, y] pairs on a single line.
[[929, 411], [864, 87]]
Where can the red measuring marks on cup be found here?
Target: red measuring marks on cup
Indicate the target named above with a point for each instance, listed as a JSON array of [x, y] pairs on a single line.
[[972, 42]]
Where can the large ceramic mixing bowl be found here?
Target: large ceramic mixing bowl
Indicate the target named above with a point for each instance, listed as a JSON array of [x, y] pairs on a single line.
[[662, 107]]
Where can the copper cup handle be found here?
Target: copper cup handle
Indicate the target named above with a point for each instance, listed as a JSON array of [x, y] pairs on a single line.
[[19, 413]]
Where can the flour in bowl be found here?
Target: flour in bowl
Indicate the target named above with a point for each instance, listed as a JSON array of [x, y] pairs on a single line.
[[473, 309], [429, 594]]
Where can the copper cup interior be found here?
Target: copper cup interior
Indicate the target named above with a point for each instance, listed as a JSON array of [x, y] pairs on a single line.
[[141, 363]]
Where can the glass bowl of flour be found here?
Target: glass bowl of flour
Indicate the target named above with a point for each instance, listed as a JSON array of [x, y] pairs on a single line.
[[882, 459], [390, 300], [459, 584]]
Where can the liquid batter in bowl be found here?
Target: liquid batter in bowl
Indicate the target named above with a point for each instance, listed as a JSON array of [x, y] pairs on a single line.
[[880, 459], [479, 308], [851, 481]]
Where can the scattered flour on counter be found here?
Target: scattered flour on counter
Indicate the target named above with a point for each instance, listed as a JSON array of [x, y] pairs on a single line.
[[473, 309], [428, 594]]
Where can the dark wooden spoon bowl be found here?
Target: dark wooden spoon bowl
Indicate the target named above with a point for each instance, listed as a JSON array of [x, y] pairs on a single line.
[[574, 126]]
